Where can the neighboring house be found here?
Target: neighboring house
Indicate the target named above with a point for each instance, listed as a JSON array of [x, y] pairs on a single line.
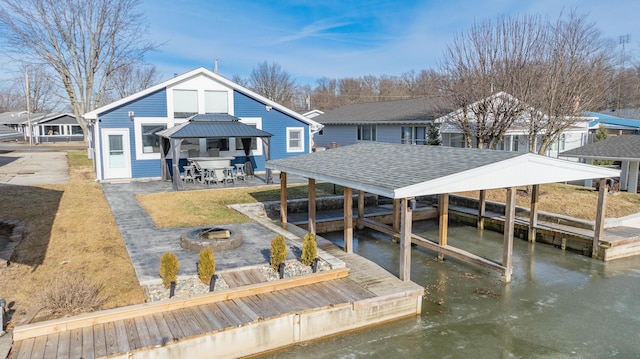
[[400, 121], [516, 137], [614, 125], [9, 134], [57, 127], [18, 121], [123, 136]]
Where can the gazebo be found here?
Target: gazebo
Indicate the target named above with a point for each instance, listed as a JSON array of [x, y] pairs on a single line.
[[623, 148], [216, 125], [403, 172]]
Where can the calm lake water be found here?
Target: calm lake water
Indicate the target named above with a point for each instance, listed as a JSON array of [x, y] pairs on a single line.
[[558, 305]]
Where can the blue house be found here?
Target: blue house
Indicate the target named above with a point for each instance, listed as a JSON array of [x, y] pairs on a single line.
[[124, 144]]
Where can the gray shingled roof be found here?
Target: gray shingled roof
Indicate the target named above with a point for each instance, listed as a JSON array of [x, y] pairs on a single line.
[[420, 110], [398, 171], [213, 126], [7, 133], [624, 147]]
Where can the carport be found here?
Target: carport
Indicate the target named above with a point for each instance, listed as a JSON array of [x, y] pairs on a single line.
[[403, 172], [216, 125]]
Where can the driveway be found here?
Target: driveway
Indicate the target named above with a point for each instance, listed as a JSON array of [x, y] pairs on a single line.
[[24, 165]]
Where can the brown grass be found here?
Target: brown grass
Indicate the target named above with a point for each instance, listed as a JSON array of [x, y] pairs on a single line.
[[569, 200], [69, 230], [195, 208]]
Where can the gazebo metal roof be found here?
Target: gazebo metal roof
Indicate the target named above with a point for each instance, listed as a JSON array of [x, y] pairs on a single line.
[[402, 171], [217, 125]]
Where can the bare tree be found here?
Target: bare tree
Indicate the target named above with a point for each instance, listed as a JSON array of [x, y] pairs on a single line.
[[42, 91], [82, 41], [325, 95], [272, 82], [129, 79], [571, 79], [553, 70]]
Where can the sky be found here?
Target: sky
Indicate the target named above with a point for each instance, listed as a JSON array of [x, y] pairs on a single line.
[[338, 38]]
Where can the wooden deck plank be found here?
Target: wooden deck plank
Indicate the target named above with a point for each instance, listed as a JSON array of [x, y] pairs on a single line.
[[39, 346], [88, 343], [224, 307], [256, 276], [99, 341], [285, 301], [132, 334], [63, 344], [274, 303], [162, 326], [238, 311], [189, 324], [227, 322], [51, 348], [25, 348], [122, 337], [143, 333], [75, 343], [209, 311], [173, 325], [246, 309], [204, 321], [305, 300], [261, 305], [111, 341], [232, 279]]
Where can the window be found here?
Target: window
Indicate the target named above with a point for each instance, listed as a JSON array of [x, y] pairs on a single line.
[[366, 133], [185, 103], [254, 141], [215, 102], [295, 139], [516, 143], [52, 130], [151, 142], [76, 130], [413, 135], [457, 140]]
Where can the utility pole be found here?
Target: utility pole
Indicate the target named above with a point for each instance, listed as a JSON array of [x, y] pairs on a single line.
[[28, 92], [623, 39]]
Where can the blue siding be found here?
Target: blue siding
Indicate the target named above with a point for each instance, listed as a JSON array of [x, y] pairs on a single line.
[[151, 105], [345, 135], [274, 122]]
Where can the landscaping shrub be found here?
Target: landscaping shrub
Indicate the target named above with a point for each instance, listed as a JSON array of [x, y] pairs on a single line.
[[67, 294], [309, 249], [206, 265], [169, 268], [278, 252]]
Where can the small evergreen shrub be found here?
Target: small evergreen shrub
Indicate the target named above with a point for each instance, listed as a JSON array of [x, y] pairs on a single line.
[[278, 252], [309, 249], [206, 265], [169, 265]]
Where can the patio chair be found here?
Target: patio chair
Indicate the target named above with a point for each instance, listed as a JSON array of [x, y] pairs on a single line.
[[189, 174], [211, 176], [240, 171]]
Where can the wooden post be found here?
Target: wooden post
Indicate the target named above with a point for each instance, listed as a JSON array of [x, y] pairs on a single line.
[[443, 225], [533, 213], [600, 216], [507, 247], [405, 240], [396, 219], [283, 199], [312, 205], [360, 209], [348, 220], [482, 201]]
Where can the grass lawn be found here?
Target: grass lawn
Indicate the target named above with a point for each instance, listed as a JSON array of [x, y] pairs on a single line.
[[70, 233]]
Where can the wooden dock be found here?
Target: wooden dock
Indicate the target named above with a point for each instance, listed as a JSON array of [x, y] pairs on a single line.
[[243, 320], [617, 242]]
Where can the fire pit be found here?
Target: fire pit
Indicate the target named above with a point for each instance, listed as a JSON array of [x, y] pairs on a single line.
[[219, 239]]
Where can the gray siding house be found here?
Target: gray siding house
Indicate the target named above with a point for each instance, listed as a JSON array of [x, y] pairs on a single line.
[[400, 121]]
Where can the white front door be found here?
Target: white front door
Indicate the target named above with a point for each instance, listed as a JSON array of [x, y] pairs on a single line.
[[116, 155]]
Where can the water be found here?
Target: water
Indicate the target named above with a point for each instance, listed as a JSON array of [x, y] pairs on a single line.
[[558, 305]]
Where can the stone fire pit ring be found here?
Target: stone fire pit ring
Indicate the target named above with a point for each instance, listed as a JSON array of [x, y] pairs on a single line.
[[219, 239]]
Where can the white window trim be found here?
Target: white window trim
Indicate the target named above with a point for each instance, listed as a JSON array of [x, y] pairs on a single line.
[[137, 128], [296, 129]]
